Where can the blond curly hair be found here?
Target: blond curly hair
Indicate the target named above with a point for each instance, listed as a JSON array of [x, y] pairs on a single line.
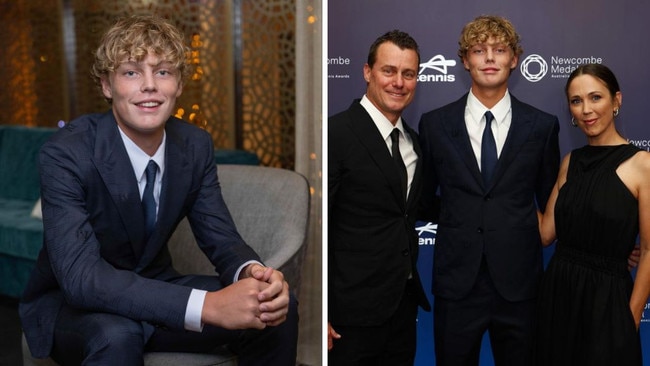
[[485, 26]]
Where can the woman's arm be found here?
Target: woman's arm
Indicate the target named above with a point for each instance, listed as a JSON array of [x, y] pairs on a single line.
[[641, 164]]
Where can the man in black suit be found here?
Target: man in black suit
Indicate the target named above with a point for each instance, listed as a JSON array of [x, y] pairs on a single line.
[[104, 290], [374, 189], [488, 254]]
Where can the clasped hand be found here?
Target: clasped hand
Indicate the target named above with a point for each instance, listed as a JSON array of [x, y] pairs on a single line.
[[259, 299]]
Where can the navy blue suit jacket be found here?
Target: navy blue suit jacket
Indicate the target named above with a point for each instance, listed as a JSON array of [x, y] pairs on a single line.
[[372, 242], [94, 254], [498, 221]]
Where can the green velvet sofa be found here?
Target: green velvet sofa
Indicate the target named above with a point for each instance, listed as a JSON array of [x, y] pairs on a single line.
[[21, 235]]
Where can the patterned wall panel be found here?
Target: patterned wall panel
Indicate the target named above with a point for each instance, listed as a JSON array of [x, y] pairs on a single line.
[[31, 63], [268, 79], [49, 52]]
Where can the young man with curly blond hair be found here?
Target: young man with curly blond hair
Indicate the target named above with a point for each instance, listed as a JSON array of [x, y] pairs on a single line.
[[488, 254], [114, 187]]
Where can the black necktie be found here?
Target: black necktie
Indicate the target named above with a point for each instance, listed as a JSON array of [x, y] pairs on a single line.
[[397, 157], [488, 150], [148, 202]]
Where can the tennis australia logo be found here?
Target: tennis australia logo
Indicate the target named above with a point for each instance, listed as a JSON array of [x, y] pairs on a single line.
[[427, 233], [440, 65], [534, 68]]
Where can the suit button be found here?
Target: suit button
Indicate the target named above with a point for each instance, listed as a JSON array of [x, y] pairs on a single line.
[[487, 198], [479, 230], [405, 252]]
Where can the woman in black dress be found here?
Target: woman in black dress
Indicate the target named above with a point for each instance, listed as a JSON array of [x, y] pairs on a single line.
[[589, 307]]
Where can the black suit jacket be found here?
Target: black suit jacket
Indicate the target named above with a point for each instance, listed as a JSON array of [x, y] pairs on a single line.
[[94, 253], [372, 242], [498, 221]]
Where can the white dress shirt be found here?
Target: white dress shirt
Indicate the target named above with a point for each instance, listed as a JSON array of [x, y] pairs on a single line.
[[385, 128], [475, 122]]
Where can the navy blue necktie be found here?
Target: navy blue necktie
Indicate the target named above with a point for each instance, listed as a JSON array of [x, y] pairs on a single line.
[[488, 150], [397, 157], [148, 202]]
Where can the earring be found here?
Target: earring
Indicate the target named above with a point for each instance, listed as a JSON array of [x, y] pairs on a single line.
[[573, 122], [616, 112]]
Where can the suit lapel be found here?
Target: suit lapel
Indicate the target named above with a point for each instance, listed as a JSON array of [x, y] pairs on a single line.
[[368, 135], [417, 176], [114, 167], [457, 132], [520, 127]]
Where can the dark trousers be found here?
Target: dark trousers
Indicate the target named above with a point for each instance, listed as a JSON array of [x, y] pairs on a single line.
[[459, 327], [90, 338], [392, 343]]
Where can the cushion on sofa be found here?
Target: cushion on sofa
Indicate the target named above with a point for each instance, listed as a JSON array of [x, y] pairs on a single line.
[[19, 147], [20, 234]]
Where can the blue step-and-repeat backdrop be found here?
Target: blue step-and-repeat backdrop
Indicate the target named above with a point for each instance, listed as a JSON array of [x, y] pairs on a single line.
[[557, 36]]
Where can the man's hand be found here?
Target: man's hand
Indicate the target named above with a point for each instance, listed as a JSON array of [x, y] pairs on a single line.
[[260, 298], [331, 336], [274, 299], [236, 306]]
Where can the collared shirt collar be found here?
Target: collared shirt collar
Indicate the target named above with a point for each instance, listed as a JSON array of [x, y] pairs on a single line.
[[140, 159], [499, 111], [383, 124]]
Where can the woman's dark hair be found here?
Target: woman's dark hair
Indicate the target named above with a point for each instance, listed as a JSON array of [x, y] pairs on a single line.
[[598, 71]]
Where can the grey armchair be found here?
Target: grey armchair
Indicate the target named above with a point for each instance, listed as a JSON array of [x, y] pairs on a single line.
[[270, 207]]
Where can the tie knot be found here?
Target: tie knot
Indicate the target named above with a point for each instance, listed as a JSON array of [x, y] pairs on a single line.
[[394, 136], [488, 117], [151, 170]]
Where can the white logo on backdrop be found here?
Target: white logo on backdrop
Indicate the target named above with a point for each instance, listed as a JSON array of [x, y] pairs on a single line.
[[430, 229], [526, 69], [535, 67], [338, 67], [439, 64]]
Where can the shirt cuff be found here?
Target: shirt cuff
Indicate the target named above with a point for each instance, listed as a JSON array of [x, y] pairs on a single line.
[[194, 310], [195, 303], [242, 267]]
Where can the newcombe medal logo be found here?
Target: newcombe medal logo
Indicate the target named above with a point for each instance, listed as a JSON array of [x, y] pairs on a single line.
[[534, 68]]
